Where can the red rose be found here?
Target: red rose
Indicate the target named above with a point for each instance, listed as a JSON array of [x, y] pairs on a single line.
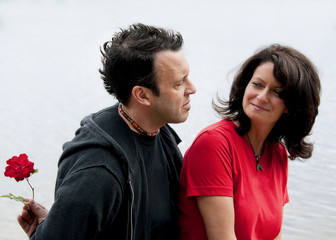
[[19, 167]]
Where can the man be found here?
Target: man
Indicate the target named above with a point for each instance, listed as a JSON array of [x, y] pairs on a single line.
[[118, 178]]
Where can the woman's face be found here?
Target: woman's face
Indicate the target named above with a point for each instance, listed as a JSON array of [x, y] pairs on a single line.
[[261, 102]]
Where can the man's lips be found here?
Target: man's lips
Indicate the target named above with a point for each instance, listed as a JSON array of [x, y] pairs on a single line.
[[187, 105]]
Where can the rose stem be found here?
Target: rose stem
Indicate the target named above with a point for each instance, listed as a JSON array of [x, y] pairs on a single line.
[[30, 187]]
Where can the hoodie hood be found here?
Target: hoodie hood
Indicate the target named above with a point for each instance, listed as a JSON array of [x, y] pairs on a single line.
[[108, 131], [97, 132]]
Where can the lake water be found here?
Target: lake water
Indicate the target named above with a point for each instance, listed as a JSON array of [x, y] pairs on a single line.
[[49, 60]]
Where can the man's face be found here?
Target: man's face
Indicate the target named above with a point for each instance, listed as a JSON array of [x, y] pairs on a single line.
[[173, 103]]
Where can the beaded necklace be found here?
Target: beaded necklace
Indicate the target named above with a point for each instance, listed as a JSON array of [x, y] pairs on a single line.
[[135, 125]]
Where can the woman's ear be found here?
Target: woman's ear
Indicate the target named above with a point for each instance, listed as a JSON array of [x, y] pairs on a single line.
[[141, 95]]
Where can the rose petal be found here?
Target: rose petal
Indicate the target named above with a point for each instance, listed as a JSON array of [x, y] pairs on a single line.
[[19, 167]]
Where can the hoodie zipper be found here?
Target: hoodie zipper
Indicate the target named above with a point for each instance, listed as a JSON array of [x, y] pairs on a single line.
[[131, 211]]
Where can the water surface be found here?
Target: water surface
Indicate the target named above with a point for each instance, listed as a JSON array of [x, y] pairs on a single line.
[[49, 60]]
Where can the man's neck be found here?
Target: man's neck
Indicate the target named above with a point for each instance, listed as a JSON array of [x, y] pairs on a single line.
[[138, 119]]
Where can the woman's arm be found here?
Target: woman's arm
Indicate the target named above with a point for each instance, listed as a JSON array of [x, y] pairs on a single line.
[[218, 216], [279, 237]]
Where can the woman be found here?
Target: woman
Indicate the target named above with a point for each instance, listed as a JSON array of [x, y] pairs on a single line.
[[234, 175]]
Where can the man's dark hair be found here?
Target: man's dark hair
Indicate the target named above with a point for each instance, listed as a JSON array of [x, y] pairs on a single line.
[[128, 59], [300, 92]]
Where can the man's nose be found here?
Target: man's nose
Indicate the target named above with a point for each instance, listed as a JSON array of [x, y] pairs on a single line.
[[190, 88]]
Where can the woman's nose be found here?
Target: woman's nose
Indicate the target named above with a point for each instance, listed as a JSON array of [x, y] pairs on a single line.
[[263, 95]]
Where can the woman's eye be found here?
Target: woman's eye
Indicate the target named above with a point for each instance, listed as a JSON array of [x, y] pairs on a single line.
[[277, 92], [257, 84]]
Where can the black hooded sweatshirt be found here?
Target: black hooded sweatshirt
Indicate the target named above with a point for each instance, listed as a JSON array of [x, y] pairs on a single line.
[[101, 187]]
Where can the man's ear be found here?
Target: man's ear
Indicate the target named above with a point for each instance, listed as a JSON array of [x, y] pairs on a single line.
[[141, 95]]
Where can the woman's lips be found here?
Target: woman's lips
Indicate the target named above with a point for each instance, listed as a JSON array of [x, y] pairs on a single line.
[[257, 107]]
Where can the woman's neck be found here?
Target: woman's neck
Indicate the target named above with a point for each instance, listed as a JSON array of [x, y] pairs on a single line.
[[257, 138]]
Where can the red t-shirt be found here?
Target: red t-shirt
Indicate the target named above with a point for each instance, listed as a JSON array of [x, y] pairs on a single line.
[[222, 163]]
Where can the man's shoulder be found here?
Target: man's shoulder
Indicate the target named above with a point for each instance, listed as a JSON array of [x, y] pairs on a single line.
[[169, 133], [92, 158]]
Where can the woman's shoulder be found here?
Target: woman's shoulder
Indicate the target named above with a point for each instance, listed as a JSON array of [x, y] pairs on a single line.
[[278, 149], [215, 135], [222, 127]]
